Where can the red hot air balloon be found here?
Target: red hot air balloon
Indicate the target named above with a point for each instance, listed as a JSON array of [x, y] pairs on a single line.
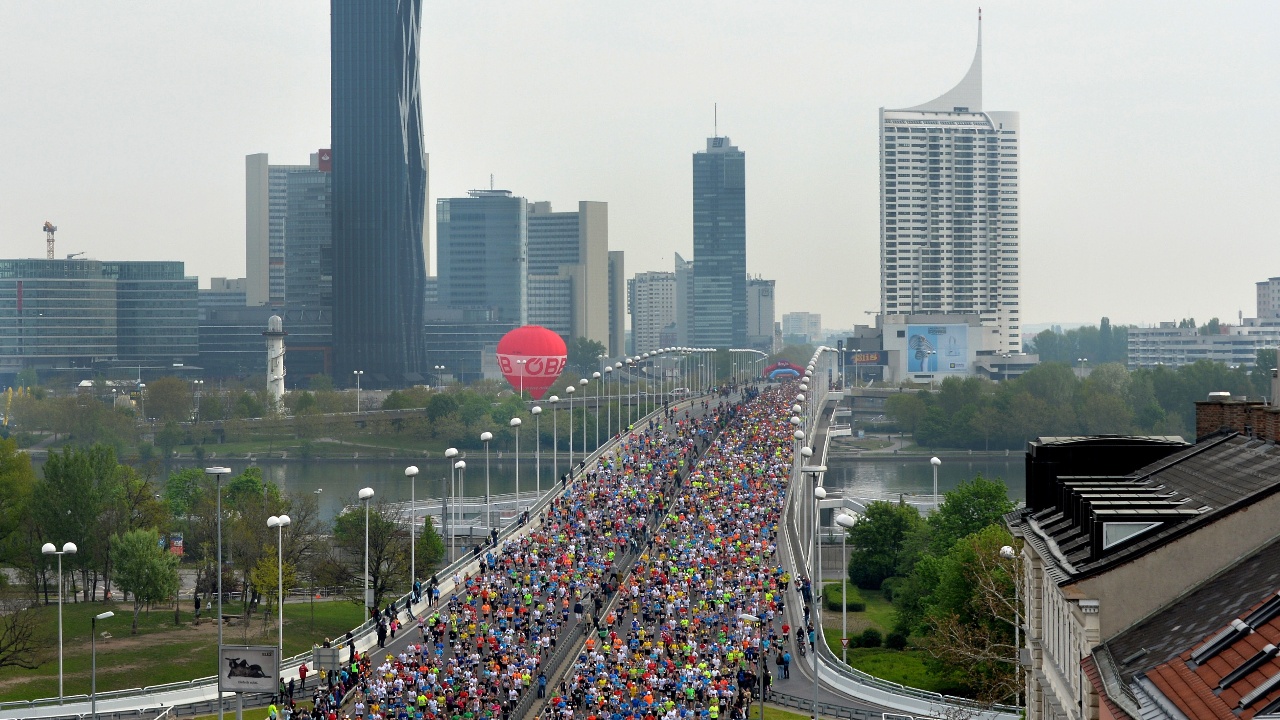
[[531, 358]]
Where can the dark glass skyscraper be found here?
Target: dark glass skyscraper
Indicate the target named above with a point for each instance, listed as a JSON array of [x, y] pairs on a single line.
[[719, 314], [379, 190]]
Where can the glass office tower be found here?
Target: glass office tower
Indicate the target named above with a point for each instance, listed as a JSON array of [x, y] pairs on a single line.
[[719, 315], [379, 191]]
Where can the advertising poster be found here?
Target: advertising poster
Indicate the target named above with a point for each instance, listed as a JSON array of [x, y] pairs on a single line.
[[248, 668], [937, 348]]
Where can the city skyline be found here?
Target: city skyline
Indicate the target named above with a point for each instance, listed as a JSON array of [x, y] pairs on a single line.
[[1108, 96]]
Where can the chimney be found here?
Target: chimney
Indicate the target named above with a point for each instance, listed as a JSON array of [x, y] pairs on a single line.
[[1275, 386]]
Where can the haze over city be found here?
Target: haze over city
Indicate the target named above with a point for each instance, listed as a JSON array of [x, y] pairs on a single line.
[[128, 124]]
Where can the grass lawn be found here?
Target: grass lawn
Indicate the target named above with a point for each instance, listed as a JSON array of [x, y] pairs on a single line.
[[907, 667], [160, 652]]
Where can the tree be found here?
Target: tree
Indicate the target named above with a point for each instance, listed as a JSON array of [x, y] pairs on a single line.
[[145, 569], [972, 506], [584, 357], [265, 576], [18, 642], [906, 409], [388, 547], [169, 398], [430, 548], [877, 542], [168, 439]]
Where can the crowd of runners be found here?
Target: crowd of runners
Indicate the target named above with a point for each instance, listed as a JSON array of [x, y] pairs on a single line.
[[655, 557]]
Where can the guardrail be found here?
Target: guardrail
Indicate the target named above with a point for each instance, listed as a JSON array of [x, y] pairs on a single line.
[[358, 634]]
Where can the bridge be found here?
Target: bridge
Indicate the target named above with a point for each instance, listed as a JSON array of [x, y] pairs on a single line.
[[821, 680]]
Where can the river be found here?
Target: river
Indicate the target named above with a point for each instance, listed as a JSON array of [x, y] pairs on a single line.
[[336, 483]]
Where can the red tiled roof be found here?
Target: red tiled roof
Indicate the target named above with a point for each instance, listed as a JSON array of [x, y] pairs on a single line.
[[1091, 672]]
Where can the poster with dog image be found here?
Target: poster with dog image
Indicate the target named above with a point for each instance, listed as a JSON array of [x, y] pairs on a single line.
[[248, 668]]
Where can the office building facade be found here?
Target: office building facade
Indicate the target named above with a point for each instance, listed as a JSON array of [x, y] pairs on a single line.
[[617, 345], [379, 191], [760, 314], [719, 246], [308, 237], [651, 300], [1269, 299], [482, 253], [950, 236], [572, 246], [805, 325], [91, 315], [684, 301]]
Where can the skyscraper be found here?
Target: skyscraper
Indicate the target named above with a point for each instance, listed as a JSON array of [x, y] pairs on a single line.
[[379, 190], [651, 298], [949, 231], [571, 249], [719, 246], [760, 312], [482, 250], [684, 301]]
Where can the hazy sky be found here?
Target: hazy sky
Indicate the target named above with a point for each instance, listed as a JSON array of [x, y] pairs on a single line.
[[1151, 159]]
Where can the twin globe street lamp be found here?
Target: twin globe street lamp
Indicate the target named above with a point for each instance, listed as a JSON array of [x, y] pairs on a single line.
[[67, 549]]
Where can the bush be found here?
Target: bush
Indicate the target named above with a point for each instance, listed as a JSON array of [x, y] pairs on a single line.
[[870, 638], [831, 596], [896, 641], [890, 586]]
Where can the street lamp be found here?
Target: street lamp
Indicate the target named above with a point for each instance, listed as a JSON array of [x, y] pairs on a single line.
[[570, 390], [366, 494], [279, 524], [583, 382], [608, 402], [461, 467], [357, 373], [67, 549], [847, 522], [520, 373], [450, 454], [485, 437], [516, 423], [1081, 362], [219, 472], [1008, 553], [93, 661], [596, 376], [197, 387], [819, 494], [142, 399], [439, 374], [411, 472], [935, 462], [537, 448], [555, 444]]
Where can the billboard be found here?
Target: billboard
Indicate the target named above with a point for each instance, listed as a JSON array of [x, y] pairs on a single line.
[[937, 348], [243, 668], [865, 357]]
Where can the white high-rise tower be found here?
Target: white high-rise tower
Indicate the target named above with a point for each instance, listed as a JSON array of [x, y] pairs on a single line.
[[949, 231], [275, 359]]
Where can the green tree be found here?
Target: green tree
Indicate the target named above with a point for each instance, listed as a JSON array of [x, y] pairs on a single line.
[[584, 358], [878, 541], [168, 439], [265, 577], [430, 549], [906, 409], [972, 506], [388, 545], [248, 405], [144, 569], [169, 399]]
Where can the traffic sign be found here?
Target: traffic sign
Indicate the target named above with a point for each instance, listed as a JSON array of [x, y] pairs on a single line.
[[844, 642]]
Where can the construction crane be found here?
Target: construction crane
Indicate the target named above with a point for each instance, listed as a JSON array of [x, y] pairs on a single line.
[[49, 230]]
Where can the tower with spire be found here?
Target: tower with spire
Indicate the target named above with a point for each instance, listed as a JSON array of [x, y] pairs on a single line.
[[950, 236]]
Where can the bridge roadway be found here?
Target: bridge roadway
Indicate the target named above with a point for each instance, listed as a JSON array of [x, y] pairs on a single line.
[[200, 696]]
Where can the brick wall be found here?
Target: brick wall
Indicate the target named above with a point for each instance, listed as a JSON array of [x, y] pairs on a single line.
[[1251, 417]]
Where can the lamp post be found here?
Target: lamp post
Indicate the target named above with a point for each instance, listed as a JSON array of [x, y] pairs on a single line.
[[569, 390], [819, 494], [196, 389], [617, 366], [537, 448], [142, 399], [847, 522], [935, 462], [608, 402], [439, 373], [449, 455], [1080, 364], [628, 365], [411, 472], [461, 467], [555, 443], [1008, 553], [764, 657], [357, 373], [279, 524], [219, 472], [93, 661], [596, 376], [520, 363], [516, 423], [485, 437], [583, 382], [67, 549], [366, 494]]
